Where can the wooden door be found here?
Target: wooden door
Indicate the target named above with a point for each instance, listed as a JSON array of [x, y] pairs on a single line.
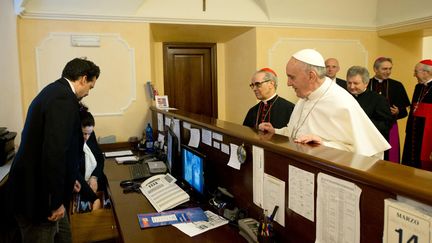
[[190, 77]]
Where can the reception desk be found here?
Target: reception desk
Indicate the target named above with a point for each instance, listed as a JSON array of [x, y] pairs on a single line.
[[377, 179]]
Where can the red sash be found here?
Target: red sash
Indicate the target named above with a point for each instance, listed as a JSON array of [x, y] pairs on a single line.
[[425, 110]]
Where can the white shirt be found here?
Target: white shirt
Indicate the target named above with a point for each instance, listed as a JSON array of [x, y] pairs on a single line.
[[71, 85], [90, 162], [334, 115]]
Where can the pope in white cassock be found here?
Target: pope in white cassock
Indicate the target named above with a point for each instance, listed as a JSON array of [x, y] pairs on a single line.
[[326, 113]]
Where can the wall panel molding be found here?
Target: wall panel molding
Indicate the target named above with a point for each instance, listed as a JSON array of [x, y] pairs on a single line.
[[115, 89]]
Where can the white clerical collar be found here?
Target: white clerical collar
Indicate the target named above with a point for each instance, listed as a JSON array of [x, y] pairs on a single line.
[[379, 80], [321, 90], [265, 101], [71, 85], [426, 83]]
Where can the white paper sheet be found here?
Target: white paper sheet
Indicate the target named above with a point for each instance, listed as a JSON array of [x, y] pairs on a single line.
[[186, 125], [194, 139], [120, 160], [225, 148], [199, 227], [217, 136], [274, 194], [177, 131], [301, 192], [338, 210], [160, 122], [161, 140], [258, 175], [4, 170], [118, 153], [233, 161], [167, 121], [206, 136], [216, 145]]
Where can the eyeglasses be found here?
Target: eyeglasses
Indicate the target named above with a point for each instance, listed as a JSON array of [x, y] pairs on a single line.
[[258, 84]]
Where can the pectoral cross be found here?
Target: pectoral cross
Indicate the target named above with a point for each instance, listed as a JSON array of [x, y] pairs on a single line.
[[204, 5]]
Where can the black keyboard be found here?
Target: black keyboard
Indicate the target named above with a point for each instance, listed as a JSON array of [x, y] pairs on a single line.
[[139, 171]]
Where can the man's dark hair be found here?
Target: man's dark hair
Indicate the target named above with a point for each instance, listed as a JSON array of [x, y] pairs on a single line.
[[79, 67]]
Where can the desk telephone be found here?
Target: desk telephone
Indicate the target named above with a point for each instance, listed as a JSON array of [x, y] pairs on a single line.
[[163, 193], [249, 229]]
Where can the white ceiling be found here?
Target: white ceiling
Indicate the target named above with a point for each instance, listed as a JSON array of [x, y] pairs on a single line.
[[347, 14]]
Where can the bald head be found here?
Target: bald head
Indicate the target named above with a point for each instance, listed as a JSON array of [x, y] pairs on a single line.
[[332, 67]]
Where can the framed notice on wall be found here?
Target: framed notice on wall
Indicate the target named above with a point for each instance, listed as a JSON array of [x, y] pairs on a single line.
[[404, 223]]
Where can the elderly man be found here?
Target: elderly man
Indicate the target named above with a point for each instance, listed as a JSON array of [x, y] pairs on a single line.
[[332, 68], [418, 139], [271, 108], [375, 106], [325, 112], [397, 97]]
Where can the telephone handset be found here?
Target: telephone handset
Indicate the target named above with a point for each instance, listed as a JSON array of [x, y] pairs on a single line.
[[248, 229], [163, 193]]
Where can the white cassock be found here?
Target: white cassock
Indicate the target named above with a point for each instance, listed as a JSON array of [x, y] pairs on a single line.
[[331, 113]]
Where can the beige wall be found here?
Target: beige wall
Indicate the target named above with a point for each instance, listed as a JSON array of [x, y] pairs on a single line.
[[240, 51], [406, 51], [240, 63], [10, 91], [132, 121]]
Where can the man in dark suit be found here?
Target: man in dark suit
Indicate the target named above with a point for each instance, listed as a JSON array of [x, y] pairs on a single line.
[[42, 176], [332, 68], [396, 96]]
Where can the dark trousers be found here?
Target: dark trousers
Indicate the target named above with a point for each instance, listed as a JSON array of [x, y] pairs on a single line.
[[46, 232]]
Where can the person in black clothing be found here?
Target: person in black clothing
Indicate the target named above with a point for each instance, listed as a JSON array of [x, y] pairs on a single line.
[[397, 98], [91, 178], [42, 175], [375, 106], [271, 108]]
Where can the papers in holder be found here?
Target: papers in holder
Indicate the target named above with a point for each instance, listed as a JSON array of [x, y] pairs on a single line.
[[118, 153]]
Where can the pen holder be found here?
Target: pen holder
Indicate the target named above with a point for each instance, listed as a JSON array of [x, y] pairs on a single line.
[[266, 239], [265, 232]]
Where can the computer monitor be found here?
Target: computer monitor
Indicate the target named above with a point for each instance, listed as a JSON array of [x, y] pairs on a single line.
[[193, 169], [174, 166]]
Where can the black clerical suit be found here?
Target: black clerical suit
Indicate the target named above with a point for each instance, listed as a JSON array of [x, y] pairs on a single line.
[[341, 83], [277, 111], [45, 168], [395, 93], [418, 138], [86, 192], [377, 109]]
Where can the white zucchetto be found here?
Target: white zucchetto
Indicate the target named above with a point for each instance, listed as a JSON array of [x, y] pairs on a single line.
[[310, 56]]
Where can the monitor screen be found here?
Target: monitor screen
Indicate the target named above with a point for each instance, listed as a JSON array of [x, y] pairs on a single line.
[[172, 143], [193, 168]]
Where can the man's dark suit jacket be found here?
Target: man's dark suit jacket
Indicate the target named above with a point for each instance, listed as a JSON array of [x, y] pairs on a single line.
[[44, 170], [341, 83], [396, 95]]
